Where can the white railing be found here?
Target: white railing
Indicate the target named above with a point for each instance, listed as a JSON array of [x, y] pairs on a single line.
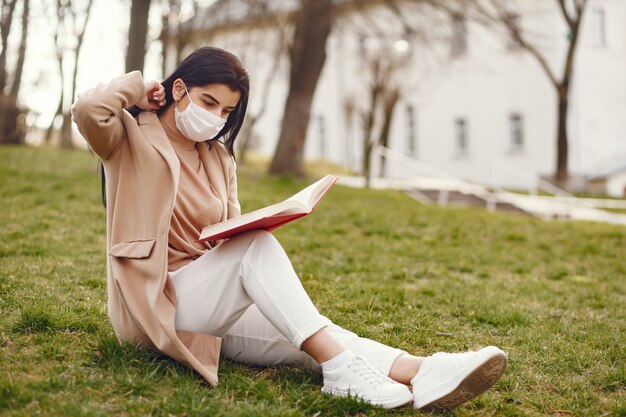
[[559, 204], [535, 183], [441, 180]]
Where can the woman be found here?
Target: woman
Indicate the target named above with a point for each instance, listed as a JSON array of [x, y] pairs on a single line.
[[170, 171]]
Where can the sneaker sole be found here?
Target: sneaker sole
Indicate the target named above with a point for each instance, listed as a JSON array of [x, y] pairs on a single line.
[[474, 384], [390, 403]]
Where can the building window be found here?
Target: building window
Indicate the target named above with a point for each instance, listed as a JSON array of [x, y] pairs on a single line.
[[321, 121], [459, 35], [410, 130], [460, 131], [515, 31], [598, 27], [516, 123]]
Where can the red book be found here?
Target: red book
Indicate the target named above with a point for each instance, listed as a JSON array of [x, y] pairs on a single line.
[[274, 216]]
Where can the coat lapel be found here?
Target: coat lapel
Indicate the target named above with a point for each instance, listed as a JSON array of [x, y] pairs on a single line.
[[153, 131]]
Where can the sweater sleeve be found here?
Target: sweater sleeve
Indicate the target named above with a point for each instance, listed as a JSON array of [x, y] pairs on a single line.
[[98, 112]]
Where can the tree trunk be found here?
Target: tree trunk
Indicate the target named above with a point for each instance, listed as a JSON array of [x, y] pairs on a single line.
[[376, 89], [562, 151], [245, 138], [308, 55], [562, 168], [6, 18], [390, 104], [59, 110], [572, 14], [137, 35], [21, 53], [368, 136], [12, 126], [367, 163], [12, 129], [66, 131], [164, 37]]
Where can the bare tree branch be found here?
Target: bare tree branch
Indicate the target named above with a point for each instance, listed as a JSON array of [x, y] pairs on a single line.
[[574, 37], [568, 19], [573, 21], [504, 17]]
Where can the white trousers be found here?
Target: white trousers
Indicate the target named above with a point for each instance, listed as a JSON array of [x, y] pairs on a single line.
[[246, 291]]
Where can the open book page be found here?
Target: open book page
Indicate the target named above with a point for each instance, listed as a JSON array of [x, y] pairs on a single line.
[[271, 217], [312, 194]]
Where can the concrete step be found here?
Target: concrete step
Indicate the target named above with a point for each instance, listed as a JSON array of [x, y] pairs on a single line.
[[460, 199]]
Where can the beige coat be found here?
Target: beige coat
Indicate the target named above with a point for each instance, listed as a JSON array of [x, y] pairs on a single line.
[[142, 173]]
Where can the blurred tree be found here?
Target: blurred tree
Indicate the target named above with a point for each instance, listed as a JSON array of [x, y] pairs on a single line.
[[247, 132], [501, 14], [137, 34], [279, 45], [21, 54], [68, 39], [307, 56], [174, 35], [390, 100], [384, 93], [12, 128], [384, 58], [6, 20]]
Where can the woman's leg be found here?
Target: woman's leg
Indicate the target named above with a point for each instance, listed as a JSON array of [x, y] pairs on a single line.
[[405, 367], [215, 290], [254, 340], [447, 381]]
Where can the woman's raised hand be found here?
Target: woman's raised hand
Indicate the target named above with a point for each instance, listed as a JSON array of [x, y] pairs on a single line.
[[154, 96]]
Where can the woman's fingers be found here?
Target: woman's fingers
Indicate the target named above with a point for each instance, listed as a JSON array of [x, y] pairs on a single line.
[[159, 94], [154, 96]]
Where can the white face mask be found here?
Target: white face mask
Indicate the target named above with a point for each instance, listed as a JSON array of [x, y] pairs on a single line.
[[197, 123]]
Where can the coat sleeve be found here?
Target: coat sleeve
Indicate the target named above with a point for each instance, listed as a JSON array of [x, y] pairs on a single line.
[[98, 112]]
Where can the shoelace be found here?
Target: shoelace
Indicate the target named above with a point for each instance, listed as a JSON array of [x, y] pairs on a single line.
[[368, 373]]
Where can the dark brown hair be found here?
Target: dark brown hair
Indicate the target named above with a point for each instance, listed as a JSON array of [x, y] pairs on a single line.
[[207, 65]]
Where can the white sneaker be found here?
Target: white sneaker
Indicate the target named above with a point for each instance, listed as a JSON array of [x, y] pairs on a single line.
[[359, 379], [447, 380]]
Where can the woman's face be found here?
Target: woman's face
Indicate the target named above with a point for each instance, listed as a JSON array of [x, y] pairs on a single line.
[[219, 99]]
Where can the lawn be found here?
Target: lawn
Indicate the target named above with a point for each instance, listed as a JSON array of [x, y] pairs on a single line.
[[426, 279]]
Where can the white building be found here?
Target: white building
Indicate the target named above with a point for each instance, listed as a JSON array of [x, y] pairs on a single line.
[[473, 104]]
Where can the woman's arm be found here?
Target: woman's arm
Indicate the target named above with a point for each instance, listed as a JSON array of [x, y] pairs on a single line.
[[98, 111]]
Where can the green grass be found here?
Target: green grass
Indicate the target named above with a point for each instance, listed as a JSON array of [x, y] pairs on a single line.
[[421, 278]]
